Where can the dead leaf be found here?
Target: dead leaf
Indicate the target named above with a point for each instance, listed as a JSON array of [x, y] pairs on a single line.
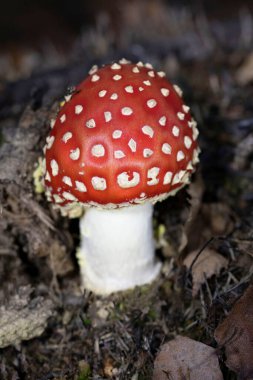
[[208, 263], [235, 333], [185, 358], [218, 216]]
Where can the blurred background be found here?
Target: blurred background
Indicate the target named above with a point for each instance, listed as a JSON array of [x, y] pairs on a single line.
[[42, 34]]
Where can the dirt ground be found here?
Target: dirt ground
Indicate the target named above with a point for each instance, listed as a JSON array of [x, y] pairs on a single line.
[[49, 329]]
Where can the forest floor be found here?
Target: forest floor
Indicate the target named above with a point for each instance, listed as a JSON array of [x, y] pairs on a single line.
[[49, 329]]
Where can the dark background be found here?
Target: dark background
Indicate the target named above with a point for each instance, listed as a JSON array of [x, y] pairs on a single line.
[[31, 23]]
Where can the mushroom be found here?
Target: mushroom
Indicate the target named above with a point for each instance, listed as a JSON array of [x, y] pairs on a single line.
[[123, 140]]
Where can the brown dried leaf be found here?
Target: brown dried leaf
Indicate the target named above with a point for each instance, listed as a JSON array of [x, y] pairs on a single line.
[[208, 263], [218, 216], [236, 334], [185, 358]]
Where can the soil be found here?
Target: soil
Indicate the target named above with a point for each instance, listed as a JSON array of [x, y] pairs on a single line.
[[49, 329]]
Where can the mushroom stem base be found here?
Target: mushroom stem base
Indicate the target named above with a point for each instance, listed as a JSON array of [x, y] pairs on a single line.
[[117, 248]]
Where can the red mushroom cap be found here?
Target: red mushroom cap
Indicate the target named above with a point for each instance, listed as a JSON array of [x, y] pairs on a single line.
[[122, 137]]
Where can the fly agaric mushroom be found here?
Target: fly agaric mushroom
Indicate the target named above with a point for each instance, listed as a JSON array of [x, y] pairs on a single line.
[[123, 140]]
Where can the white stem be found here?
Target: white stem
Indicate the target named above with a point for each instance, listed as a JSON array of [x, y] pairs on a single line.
[[117, 248]]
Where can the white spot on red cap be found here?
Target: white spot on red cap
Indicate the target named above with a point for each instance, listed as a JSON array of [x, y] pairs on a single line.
[[175, 131], [57, 198], [189, 166], [78, 109], [126, 180], [50, 141], [129, 89], [195, 133], [195, 158], [141, 89], [148, 66], [140, 64], [80, 186], [69, 196], [117, 77], [52, 123], [102, 93], [98, 150], [114, 96], [135, 70], [66, 136], [165, 91], [178, 90], [132, 145], [181, 174], [147, 130], [147, 152], [54, 167], [115, 66], [167, 178], [67, 180], [180, 155], [126, 111], [187, 142], [74, 154], [152, 176], [119, 154], [186, 109], [151, 74], [95, 78], [162, 120], [116, 134], [166, 148], [98, 183], [67, 97], [181, 115], [90, 123], [161, 74], [63, 118], [93, 69], [124, 61], [176, 179], [108, 116], [47, 177], [192, 123], [147, 82], [151, 103]]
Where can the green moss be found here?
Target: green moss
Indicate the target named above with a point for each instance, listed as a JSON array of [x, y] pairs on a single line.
[[152, 314], [85, 320], [84, 371]]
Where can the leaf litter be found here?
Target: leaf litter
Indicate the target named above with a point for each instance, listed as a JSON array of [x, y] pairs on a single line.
[[119, 336], [185, 358]]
